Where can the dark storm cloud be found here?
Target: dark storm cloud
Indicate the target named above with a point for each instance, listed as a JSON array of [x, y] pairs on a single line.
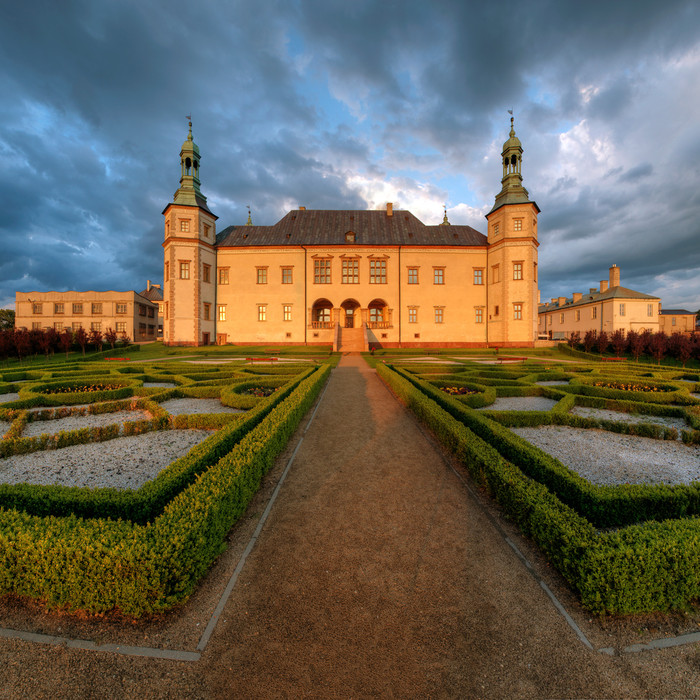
[[95, 94]]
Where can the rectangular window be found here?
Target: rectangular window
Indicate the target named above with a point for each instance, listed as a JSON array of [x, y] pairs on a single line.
[[377, 271], [166, 271], [77, 309], [496, 310], [36, 325], [650, 309], [97, 309], [622, 309], [36, 308], [413, 275], [206, 229], [121, 308], [221, 312], [262, 275], [478, 276], [58, 308], [96, 326], [287, 312], [496, 229], [207, 312], [184, 225], [142, 309], [142, 329], [184, 269], [594, 312], [58, 326], [351, 271], [517, 224], [673, 320], [286, 275], [578, 314], [413, 315], [438, 315], [76, 325], [534, 272], [479, 315], [223, 275], [262, 312], [322, 271], [206, 273], [561, 318], [439, 275], [495, 274], [517, 271], [121, 326], [518, 312]]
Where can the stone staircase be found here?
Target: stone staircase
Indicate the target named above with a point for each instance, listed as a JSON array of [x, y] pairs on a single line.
[[351, 340]]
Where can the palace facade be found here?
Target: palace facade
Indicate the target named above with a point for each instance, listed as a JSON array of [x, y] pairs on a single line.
[[353, 279]]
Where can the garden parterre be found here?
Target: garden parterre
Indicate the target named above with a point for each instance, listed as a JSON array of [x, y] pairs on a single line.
[[144, 549], [627, 548]]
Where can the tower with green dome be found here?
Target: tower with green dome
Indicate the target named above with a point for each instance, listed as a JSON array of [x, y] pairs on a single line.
[[512, 254], [189, 273]]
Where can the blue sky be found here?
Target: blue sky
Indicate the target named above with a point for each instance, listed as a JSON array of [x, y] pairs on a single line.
[[350, 105]]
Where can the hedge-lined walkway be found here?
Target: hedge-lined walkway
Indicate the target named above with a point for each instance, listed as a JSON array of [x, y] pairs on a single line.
[[377, 574]]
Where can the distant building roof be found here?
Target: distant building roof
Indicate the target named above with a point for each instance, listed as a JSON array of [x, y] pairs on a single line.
[[324, 227], [153, 292], [676, 312], [611, 293]]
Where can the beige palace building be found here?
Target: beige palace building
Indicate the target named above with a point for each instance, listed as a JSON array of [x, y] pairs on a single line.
[[353, 279], [128, 313], [608, 308]]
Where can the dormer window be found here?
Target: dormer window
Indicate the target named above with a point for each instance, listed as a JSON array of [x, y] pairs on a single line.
[[350, 237]]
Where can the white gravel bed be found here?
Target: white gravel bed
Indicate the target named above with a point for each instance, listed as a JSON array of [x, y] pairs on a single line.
[[4, 427], [167, 385], [126, 462], [604, 414], [520, 403], [91, 420], [553, 382], [5, 398], [610, 459], [178, 407], [48, 408]]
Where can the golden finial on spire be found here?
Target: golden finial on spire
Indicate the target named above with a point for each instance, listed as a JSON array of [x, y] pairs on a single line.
[[445, 222], [250, 221]]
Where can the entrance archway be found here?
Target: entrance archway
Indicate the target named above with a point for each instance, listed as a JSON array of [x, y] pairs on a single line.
[[378, 314], [351, 314]]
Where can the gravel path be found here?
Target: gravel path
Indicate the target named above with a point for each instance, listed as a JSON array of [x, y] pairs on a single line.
[[178, 407], [4, 427], [606, 458], [164, 385], [89, 420], [6, 398], [127, 462], [520, 403]]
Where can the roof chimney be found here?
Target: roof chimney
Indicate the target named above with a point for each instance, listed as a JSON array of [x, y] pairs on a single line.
[[148, 285], [614, 276], [577, 296], [593, 290], [302, 208], [389, 209], [603, 286], [561, 300]]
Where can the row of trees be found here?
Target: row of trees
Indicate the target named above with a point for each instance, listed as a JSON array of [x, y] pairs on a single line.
[[19, 342], [679, 346]]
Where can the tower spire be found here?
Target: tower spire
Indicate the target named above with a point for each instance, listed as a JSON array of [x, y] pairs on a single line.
[[189, 192], [512, 190]]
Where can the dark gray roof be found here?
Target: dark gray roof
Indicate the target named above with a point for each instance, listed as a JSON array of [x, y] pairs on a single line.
[[329, 227], [153, 294], [676, 312], [612, 293]]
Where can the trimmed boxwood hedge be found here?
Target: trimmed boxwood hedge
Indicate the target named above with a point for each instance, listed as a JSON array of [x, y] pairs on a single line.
[[98, 565], [642, 568]]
